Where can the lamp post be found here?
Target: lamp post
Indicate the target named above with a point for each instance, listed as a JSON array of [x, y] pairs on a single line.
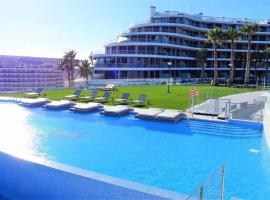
[[231, 75], [169, 76]]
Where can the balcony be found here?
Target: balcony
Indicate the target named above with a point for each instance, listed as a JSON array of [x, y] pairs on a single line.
[[134, 65]]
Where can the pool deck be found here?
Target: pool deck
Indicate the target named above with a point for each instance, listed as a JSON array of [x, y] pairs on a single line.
[[249, 97], [218, 106], [51, 180]]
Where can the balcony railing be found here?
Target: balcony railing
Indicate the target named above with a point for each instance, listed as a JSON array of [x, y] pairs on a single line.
[[147, 52], [138, 65]]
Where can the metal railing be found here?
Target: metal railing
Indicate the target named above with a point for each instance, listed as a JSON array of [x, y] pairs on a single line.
[[212, 188], [211, 104], [246, 111]]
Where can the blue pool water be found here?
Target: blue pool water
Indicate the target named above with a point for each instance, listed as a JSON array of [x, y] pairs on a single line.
[[177, 156]]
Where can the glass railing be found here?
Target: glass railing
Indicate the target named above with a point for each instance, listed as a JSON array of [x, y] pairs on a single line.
[[149, 53], [130, 65], [212, 188], [229, 107], [247, 111]]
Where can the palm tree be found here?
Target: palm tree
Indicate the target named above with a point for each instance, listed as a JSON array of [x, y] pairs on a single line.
[[201, 57], [68, 63], [266, 53], [85, 70], [215, 37], [257, 58], [91, 58], [64, 67], [232, 35], [249, 30]]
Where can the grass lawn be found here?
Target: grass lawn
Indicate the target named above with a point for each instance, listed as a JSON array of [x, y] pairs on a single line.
[[157, 95]]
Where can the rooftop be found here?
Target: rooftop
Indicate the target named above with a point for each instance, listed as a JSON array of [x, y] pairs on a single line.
[[201, 17]]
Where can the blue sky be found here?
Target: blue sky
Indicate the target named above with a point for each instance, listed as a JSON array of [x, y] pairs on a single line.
[[50, 27]]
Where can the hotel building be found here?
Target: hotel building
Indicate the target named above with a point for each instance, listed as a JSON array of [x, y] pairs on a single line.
[[27, 73], [145, 50]]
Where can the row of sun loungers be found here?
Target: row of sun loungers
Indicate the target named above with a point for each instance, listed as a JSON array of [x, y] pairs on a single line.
[[37, 92], [124, 99], [92, 97], [119, 110]]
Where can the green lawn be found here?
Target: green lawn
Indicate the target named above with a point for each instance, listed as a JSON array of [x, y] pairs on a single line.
[[157, 95]]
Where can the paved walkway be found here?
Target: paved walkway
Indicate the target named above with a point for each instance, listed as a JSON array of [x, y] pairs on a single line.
[[249, 97], [241, 106]]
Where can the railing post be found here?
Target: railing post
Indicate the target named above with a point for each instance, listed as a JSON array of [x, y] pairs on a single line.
[[201, 193], [222, 183]]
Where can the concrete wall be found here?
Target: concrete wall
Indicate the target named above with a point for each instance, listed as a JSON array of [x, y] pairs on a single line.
[[21, 179]]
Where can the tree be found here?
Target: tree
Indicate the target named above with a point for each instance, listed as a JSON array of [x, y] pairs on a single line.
[[249, 30], [215, 37], [68, 63], [91, 58], [257, 58], [232, 35], [240, 60], [201, 57], [85, 70], [266, 53]]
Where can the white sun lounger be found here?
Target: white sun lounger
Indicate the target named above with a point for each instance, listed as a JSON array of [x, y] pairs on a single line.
[[109, 87], [149, 113], [170, 115], [204, 112], [63, 104], [34, 102], [75, 95], [86, 107], [35, 93], [223, 116], [116, 110]]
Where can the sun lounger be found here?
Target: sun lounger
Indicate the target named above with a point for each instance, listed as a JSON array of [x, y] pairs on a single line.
[[85, 107], [34, 102], [91, 97], [149, 113], [109, 87], [223, 116], [170, 115], [141, 101], [75, 95], [36, 93], [116, 110], [104, 98], [123, 99], [204, 112], [63, 104]]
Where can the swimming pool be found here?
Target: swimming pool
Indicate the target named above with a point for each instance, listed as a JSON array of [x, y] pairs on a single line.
[[165, 155]]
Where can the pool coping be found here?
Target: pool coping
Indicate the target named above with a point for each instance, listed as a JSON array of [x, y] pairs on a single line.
[[151, 190]]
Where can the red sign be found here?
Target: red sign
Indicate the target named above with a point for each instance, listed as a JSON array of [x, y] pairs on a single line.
[[194, 92]]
